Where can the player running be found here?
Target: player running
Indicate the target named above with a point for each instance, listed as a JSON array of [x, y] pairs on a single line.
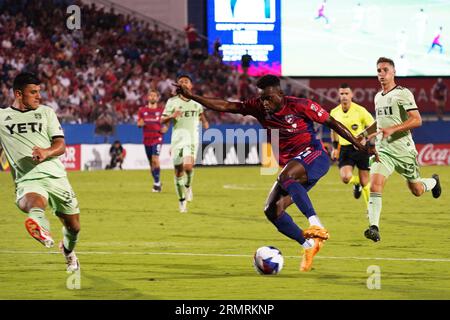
[[186, 115], [355, 118], [437, 42], [396, 114], [32, 138], [149, 118], [301, 154]]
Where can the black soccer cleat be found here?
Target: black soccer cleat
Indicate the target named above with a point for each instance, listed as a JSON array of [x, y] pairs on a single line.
[[157, 188], [436, 191], [372, 233], [357, 190]]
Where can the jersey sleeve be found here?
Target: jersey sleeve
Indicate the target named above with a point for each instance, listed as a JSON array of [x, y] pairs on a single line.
[[200, 108], [249, 107], [139, 115], [313, 111], [54, 128], [169, 108], [406, 100]]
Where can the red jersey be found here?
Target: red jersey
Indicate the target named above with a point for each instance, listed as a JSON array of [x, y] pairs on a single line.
[[152, 124], [295, 122]]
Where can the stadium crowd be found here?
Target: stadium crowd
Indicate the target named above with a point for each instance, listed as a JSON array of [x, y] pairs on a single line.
[[101, 73]]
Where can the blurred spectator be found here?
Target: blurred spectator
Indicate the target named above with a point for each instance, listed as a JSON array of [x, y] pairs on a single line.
[[110, 63], [192, 36], [246, 60], [105, 122], [439, 96]]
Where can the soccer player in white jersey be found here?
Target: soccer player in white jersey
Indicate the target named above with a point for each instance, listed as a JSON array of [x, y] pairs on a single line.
[[396, 115], [33, 139], [186, 115]]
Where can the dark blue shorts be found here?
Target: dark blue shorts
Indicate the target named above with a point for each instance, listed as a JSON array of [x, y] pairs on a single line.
[[153, 150], [316, 163]]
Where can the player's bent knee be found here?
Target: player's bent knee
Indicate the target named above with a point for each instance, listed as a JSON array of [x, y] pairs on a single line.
[[74, 228], [346, 180], [285, 176], [417, 192]]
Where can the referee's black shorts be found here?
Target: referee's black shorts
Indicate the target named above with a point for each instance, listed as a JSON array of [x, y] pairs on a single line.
[[349, 156]]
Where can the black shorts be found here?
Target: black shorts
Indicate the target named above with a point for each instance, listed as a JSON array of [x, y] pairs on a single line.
[[349, 156]]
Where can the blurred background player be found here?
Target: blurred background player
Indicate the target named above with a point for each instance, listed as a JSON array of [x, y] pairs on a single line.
[[396, 114], [439, 97], [149, 118], [186, 115], [321, 12], [437, 42], [301, 154], [355, 118], [117, 154], [32, 138]]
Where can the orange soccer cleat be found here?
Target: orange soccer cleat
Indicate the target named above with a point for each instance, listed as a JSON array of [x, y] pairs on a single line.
[[38, 233], [308, 255], [316, 232]]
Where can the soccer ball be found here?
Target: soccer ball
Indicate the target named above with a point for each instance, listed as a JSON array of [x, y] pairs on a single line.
[[268, 260]]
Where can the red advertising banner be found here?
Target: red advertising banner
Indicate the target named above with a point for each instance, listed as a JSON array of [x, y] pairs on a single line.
[[433, 154], [72, 158], [364, 90]]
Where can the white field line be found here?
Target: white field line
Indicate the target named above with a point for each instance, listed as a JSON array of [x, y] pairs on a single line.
[[221, 255]]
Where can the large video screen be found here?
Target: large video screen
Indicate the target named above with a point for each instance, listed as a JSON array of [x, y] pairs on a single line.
[[333, 37]]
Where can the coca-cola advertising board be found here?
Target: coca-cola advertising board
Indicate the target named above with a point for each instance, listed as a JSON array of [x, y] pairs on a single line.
[[433, 154]]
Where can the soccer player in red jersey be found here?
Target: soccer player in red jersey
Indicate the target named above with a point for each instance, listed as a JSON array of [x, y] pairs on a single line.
[[301, 154], [149, 118]]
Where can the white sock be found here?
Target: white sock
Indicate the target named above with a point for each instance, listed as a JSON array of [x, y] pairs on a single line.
[[314, 221], [374, 210], [309, 243], [428, 183]]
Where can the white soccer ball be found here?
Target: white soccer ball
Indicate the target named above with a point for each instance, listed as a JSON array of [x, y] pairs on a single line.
[[268, 260]]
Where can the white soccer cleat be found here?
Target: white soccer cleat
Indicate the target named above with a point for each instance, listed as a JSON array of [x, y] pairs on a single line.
[[183, 206], [189, 194], [38, 233], [72, 262]]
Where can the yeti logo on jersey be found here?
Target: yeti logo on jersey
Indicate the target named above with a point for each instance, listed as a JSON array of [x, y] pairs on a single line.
[[384, 111], [289, 118], [24, 127], [190, 113]]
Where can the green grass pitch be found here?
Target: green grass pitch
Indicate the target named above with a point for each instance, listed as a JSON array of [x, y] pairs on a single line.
[[134, 244]]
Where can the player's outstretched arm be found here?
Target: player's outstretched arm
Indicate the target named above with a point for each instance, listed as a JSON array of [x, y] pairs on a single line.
[[57, 148], [341, 130], [368, 132], [210, 103]]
